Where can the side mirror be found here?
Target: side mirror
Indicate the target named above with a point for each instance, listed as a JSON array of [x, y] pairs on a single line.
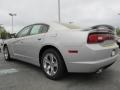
[[13, 35]]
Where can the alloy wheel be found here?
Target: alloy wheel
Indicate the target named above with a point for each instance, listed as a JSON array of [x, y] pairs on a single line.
[[6, 54], [50, 64]]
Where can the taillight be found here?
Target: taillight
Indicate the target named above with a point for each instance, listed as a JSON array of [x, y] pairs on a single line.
[[98, 38]]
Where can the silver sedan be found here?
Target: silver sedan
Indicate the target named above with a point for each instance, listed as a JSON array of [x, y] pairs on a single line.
[[60, 48]]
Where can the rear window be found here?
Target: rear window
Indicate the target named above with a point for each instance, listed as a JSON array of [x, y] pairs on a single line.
[[71, 26]]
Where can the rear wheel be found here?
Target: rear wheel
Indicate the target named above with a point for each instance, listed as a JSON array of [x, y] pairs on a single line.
[[52, 64], [6, 53], [118, 44]]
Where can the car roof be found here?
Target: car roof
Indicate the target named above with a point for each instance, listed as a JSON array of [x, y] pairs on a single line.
[[57, 25], [54, 25]]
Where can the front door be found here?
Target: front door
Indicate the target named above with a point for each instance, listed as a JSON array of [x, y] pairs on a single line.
[[18, 43]]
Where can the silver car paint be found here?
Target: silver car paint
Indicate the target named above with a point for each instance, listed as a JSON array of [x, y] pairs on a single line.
[[88, 59]]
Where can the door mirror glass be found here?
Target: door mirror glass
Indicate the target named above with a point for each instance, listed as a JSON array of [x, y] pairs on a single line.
[[13, 35]]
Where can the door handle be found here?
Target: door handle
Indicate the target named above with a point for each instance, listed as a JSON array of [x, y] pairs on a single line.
[[21, 42], [39, 38]]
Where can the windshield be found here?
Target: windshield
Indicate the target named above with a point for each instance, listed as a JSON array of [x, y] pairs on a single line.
[[71, 26]]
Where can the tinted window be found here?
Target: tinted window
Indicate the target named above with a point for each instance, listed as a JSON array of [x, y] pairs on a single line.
[[44, 28], [24, 32]]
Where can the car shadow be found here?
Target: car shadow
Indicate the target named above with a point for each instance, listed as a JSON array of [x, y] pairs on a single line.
[[73, 79], [25, 65], [104, 79]]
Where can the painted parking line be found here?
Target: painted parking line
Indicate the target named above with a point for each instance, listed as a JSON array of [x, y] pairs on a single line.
[[8, 71]]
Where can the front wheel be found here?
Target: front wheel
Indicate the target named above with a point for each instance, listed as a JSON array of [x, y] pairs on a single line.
[[6, 53], [52, 64]]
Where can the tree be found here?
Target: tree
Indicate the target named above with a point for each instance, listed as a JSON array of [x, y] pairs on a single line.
[[118, 31], [3, 33]]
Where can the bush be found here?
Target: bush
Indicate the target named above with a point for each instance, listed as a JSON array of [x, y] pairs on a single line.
[[3, 33], [118, 31]]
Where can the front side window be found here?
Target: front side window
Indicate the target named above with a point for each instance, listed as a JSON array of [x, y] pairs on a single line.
[[24, 32]]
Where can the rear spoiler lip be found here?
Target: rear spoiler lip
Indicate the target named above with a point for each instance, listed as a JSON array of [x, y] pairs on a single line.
[[104, 25], [110, 29]]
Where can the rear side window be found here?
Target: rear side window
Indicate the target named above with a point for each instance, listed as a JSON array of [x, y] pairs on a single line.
[[35, 30], [40, 28], [44, 28]]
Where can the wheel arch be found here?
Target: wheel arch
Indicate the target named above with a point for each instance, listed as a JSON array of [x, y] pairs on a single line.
[[4, 45], [49, 47]]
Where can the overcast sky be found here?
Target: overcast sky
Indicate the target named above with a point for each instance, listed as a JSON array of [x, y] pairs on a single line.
[[84, 12]]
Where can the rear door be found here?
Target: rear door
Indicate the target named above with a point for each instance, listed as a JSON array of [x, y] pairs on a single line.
[[33, 42]]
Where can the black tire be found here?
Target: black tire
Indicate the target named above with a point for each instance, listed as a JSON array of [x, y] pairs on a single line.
[[61, 71], [119, 45], [5, 49]]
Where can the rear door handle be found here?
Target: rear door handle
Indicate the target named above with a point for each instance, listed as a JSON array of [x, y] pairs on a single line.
[[21, 41], [39, 38]]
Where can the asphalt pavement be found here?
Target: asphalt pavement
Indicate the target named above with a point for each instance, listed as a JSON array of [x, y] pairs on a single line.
[[16, 75]]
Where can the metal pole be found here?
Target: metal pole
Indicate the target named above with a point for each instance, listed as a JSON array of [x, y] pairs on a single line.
[[12, 24], [59, 13], [0, 33], [12, 15]]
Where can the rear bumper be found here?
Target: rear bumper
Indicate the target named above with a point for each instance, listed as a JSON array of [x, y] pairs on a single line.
[[90, 66]]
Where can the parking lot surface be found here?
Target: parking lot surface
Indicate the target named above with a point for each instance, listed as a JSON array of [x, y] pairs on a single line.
[[16, 75]]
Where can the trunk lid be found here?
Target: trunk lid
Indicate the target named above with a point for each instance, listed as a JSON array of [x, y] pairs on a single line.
[[101, 34]]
